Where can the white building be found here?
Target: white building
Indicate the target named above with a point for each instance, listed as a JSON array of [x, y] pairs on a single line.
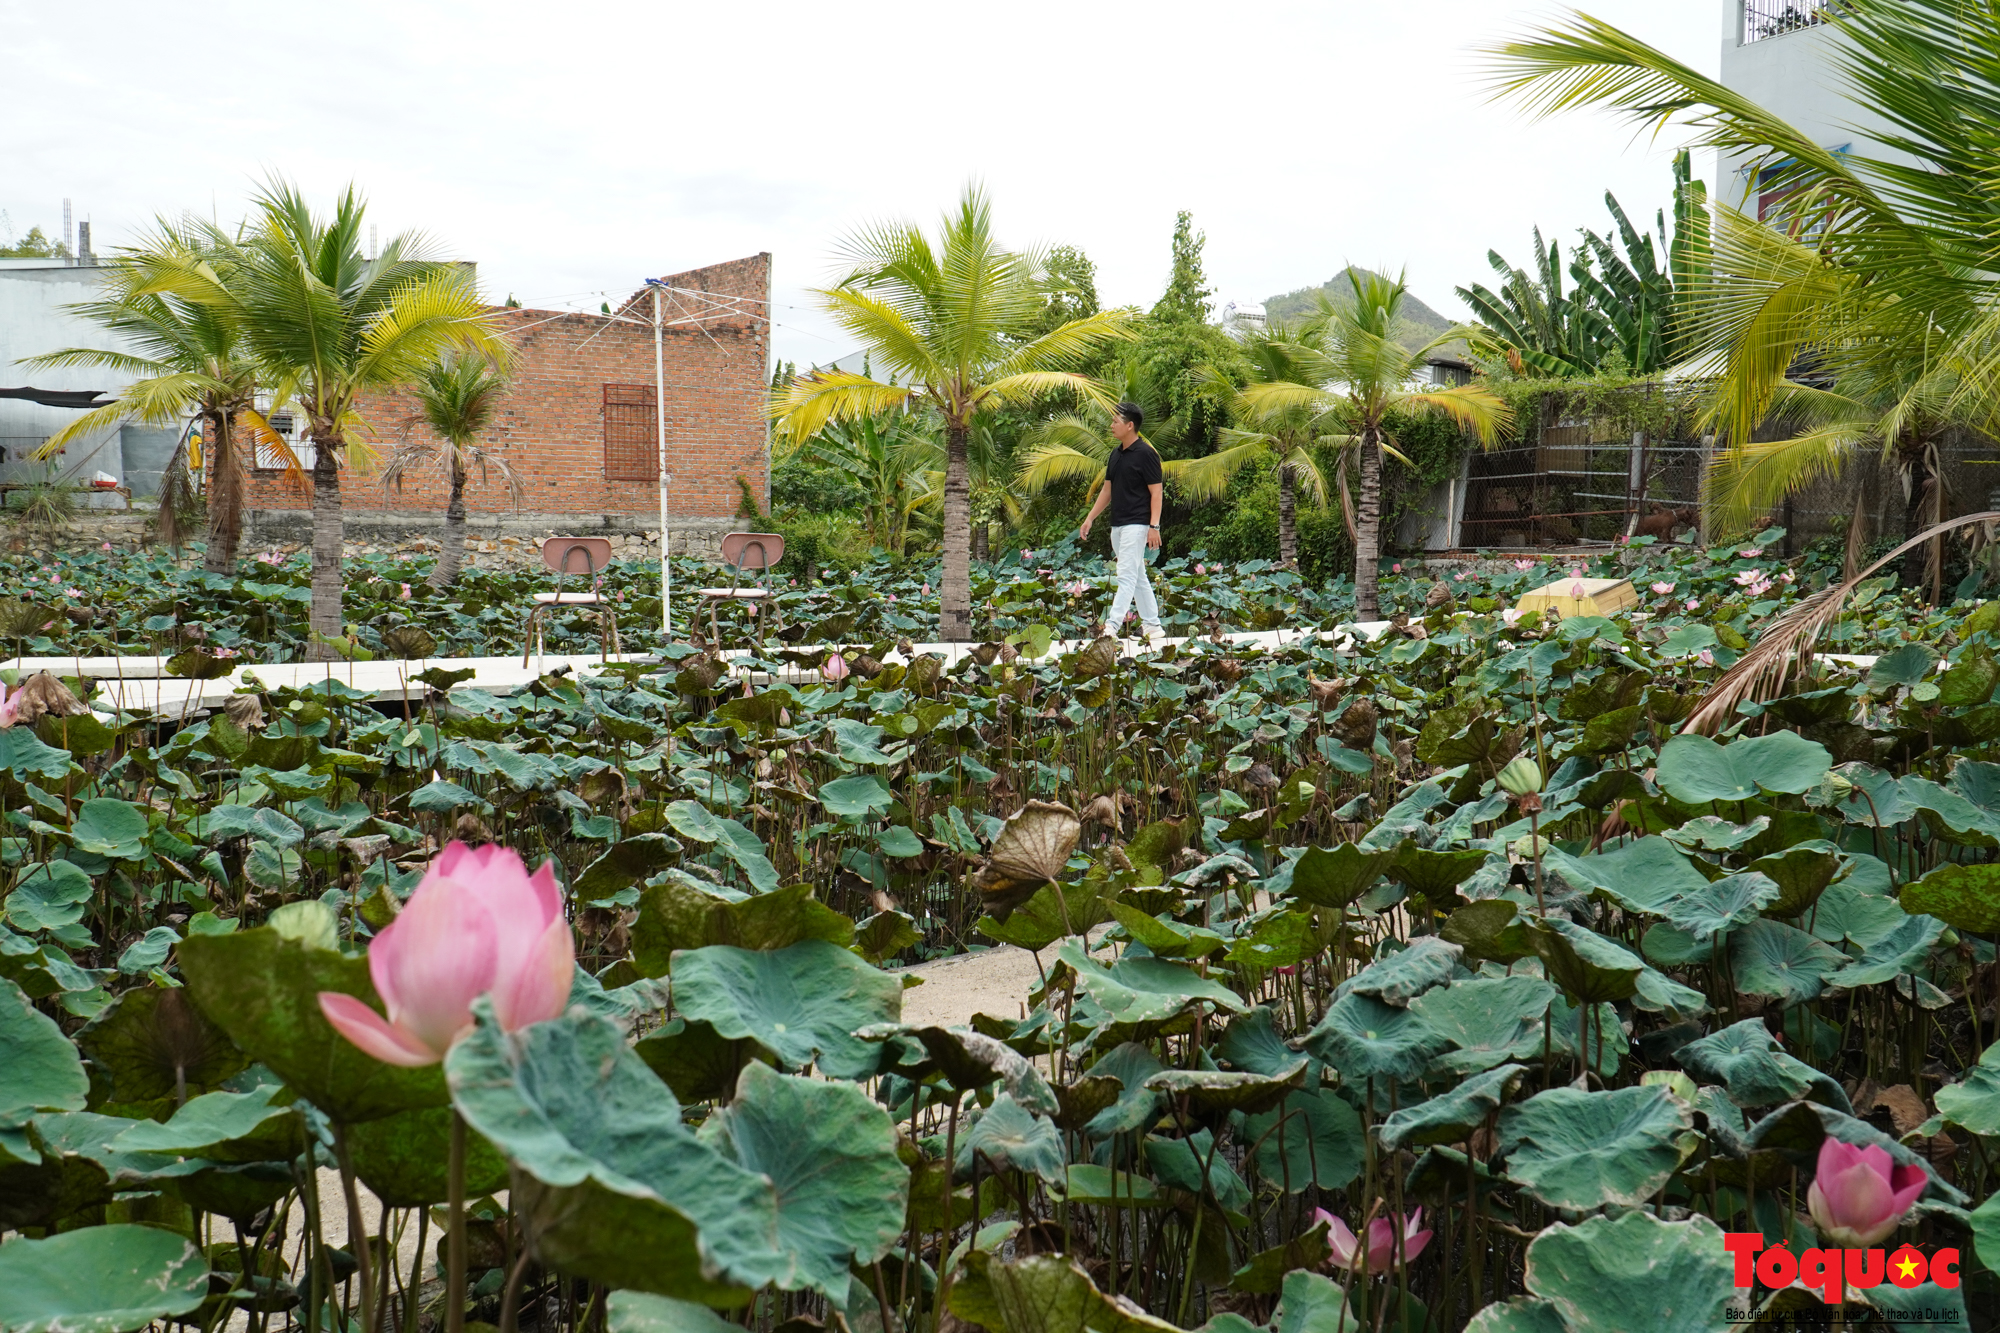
[[1781, 55], [35, 319]]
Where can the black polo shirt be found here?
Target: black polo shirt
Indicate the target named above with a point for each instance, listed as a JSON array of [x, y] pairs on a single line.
[[1131, 470]]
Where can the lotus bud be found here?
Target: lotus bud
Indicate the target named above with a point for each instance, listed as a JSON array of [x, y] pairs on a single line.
[[1530, 848], [1521, 776], [835, 669]]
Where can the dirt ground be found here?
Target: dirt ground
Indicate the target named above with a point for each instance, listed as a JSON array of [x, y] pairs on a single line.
[[994, 982]]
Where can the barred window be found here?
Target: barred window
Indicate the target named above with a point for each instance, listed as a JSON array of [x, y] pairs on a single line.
[[631, 433]]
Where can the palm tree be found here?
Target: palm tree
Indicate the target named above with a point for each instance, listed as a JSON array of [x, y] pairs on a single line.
[[1887, 293], [336, 325], [457, 397], [954, 323], [1284, 428], [1369, 376], [187, 359]]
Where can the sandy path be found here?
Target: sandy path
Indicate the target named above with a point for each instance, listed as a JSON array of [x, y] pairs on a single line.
[[995, 982]]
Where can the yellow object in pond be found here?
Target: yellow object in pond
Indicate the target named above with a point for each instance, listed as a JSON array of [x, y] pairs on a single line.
[[1580, 597]]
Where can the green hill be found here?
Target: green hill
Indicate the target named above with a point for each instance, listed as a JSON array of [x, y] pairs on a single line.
[[1418, 326]]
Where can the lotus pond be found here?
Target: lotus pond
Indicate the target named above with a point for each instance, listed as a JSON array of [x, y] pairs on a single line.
[[1441, 983]]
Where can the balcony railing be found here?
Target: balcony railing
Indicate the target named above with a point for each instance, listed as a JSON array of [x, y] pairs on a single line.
[[1775, 18]]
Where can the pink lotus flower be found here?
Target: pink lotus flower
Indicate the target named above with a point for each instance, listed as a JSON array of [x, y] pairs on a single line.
[[1524, 565], [890, 596], [927, 587], [1752, 553], [72, 592], [1395, 569], [1576, 591], [1705, 657], [107, 546], [1787, 577], [1201, 569], [1692, 604], [835, 669], [1458, 577], [1380, 1254], [1858, 1195], [1663, 588], [1510, 615], [406, 591], [10, 705], [478, 924]]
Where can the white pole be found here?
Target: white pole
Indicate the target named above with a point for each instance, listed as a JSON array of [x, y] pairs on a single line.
[[660, 416]]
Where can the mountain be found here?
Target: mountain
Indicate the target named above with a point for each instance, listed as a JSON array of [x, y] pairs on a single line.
[[1418, 326]]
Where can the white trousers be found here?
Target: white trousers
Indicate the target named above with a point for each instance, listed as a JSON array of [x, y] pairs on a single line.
[[1128, 543]]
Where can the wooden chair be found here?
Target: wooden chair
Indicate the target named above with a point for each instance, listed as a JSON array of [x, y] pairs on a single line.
[[742, 552], [563, 555]]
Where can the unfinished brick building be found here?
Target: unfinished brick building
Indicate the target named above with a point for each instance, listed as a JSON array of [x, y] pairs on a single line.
[[577, 426]]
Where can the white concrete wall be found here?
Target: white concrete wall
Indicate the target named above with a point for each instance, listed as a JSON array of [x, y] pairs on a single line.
[[32, 322], [1792, 75]]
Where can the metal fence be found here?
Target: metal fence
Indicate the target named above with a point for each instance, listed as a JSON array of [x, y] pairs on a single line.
[[1570, 489], [1774, 18]]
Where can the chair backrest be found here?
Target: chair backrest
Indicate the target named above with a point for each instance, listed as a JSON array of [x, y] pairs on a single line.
[[752, 550], [577, 555]]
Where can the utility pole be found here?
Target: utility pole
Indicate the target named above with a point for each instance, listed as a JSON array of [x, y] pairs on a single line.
[[666, 480]]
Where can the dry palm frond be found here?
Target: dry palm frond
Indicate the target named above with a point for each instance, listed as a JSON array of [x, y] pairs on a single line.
[[1784, 652]]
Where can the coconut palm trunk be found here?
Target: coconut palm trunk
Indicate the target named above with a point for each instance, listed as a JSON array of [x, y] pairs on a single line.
[[955, 594], [1288, 523], [326, 552], [451, 547], [225, 494], [1368, 530]]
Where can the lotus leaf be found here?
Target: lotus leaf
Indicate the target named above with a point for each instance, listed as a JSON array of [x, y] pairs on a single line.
[[1166, 938], [1583, 1150], [1451, 1117], [1265, 1273], [1137, 1106], [693, 821], [642, 1312], [1746, 1060], [803, 1002], [1145, 990], [1335, 878], [154, 1043], [1645, 875], [263, 990], [1491, 929], [970, 1060], [1963, 896], [1900, 951], [49, 896], [829, 1155], [1487, 1020], [232, 1127], [681, 914], [1524, 1314], [39, 1069], [609, 1183], [1181, 1163], [1030, 850], [403, 1158], [1212, 1090], [1698, 770], [104, 1279], [1363, 1039], [1784, 962], [1398, 977], [1589, 968], [1313, 1138], [1974, 1104], [110, 828], [863, 796], [1054, 912], [1724, 905], [1008, 1137], [1614, 1275]]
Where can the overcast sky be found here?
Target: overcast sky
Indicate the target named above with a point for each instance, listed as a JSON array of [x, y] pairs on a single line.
[[573, 148]]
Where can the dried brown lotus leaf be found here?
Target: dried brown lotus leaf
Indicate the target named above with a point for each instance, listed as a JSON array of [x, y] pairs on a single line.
[[1033, 847]]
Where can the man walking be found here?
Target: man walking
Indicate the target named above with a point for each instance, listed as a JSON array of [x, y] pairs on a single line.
[[1132, 490]]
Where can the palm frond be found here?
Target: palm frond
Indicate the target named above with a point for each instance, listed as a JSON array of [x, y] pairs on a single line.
[[1783, 653]]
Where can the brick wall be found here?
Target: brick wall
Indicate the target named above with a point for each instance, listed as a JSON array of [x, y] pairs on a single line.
[[551, 423]]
